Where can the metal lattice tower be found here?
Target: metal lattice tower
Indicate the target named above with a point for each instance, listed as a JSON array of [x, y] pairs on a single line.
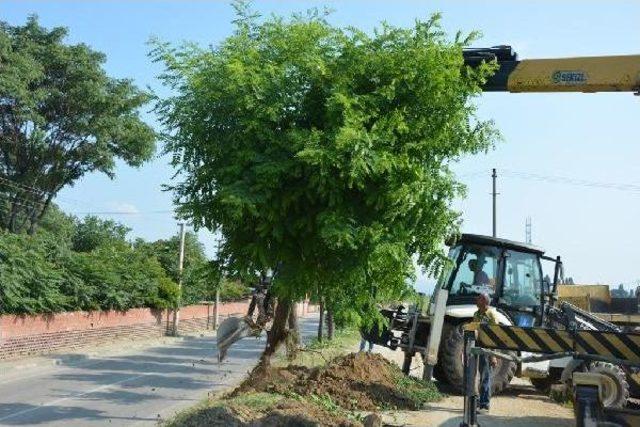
[[527, 227]]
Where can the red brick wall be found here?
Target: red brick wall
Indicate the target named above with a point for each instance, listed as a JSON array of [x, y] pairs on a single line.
[[38, 334], [27, 335]]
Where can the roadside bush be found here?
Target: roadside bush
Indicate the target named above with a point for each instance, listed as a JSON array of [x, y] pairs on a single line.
[[233, 290], [88, 264], [38, 274]]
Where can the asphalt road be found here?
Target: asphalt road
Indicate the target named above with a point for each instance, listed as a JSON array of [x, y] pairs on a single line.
[[127, 388]]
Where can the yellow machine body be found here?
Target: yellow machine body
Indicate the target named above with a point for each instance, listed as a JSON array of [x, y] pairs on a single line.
[[585, 74]]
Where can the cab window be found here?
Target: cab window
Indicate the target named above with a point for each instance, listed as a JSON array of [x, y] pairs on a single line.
[[522, 280], [476, 273]]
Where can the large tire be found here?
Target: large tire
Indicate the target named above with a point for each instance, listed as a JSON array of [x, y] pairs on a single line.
[[616, 396], [543, 384], [451, 363]]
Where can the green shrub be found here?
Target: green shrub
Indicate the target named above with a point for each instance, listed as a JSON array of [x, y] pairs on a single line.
[[72, 264], [39, 274]]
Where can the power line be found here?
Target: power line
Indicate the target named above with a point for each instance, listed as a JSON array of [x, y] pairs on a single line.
[[122, 212], [474, 174], [22, 187], [556, 179], [9, 197], [12, 200], [37, 204], [635, 188]]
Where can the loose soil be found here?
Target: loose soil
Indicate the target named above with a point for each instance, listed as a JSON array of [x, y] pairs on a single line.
[[357, 381], [337, 394], [287, 412]]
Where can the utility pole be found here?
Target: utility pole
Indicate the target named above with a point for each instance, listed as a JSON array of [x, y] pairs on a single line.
[[176, 312], [494, 175], [527, 227], [217, 303]]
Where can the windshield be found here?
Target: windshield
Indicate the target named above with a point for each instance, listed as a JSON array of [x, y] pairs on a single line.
[[522, 280], [476, 272]]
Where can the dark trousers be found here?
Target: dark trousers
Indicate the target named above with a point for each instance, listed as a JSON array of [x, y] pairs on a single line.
[[486, 370]]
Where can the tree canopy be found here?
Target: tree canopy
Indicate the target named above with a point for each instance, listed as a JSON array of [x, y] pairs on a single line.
[[94, 232], [89, 264], [199, 279], [61, 116], [323, 149]]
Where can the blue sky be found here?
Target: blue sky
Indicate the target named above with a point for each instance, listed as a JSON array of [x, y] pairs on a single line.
[[590, 138]]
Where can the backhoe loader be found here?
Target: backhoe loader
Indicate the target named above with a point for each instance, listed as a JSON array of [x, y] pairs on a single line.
[[516, 286], [511, 273]]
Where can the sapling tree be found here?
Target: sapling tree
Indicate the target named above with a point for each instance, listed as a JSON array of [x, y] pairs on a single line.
[[326, 150]]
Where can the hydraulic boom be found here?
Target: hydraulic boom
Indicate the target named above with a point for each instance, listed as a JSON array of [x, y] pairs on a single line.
[[581, 74]]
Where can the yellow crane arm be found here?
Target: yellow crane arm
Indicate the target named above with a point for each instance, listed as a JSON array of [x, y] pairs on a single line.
[[582, 74]]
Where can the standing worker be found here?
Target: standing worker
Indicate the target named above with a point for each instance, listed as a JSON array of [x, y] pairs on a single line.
[[486, 315], [368, 336]]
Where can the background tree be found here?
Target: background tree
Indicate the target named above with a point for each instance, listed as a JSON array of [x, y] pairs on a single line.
[[61, 117], [93, 232], [322, 148], [200, 276], [43, 274], [198, 281]]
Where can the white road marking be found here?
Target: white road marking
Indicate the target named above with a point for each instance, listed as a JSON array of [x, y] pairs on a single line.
[[55, 402]]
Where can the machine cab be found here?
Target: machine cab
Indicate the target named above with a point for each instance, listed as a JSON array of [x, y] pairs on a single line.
[[510, 272]]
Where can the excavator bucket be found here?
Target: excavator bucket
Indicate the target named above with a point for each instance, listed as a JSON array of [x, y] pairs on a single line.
[[230, 331]]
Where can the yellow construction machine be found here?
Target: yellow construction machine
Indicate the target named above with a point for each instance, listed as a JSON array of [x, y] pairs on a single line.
[[452, 304], [587, 74]]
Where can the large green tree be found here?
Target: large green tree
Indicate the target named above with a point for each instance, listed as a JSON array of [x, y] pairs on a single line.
[[324, 149], [200, 276], [93, 232], [197, 283], [61, 116]]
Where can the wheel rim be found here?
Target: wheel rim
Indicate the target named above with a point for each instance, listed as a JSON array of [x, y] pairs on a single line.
[[610, 393]]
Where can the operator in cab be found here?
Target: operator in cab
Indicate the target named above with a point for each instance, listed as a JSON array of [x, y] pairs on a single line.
[[480, 278], [485, 314]]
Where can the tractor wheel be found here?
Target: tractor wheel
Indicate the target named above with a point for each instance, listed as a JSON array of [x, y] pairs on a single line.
[[452, 365], [543, 384], [406, 364], [616, 393], [439, 372]]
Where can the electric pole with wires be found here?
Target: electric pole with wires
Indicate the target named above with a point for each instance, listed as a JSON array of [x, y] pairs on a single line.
[[494, 175], [217, 298], [176, 312]]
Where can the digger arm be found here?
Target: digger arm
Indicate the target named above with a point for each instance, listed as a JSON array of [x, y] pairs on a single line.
[[581, 74]]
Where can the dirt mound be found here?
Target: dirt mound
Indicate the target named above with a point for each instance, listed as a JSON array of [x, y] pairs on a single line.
[[358, 381], [291, 413], [287, 413], [217, 416]]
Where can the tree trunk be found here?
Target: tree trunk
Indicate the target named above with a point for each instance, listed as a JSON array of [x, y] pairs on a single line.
[[279, 331], [293, 334], [321, 321], [329, 324], [35, 220]]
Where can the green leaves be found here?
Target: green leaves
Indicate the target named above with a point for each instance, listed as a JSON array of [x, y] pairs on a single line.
[[93, 232], [63, 117], [323, 148], [40, 274], [89, 264]]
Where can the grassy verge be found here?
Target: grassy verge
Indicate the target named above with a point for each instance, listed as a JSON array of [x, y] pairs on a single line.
[[218, 411], [317, 353], [221, 410], [417, 390], [324, 383]]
